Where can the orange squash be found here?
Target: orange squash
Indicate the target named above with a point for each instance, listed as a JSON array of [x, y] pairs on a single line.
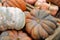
[[40, 24], [15, 3], [14, 35]]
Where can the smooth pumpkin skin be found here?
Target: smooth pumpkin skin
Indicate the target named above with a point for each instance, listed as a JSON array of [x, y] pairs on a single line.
[[40, 24], [11, 18], [14, 35], [15, 3]]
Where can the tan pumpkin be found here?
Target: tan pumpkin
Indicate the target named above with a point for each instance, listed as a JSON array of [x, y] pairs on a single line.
[[39, 23], [14, 35], [11, 18], [15, 3]]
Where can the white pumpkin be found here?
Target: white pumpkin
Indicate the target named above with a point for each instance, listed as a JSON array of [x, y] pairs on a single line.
[[39, 2], [11, 18]]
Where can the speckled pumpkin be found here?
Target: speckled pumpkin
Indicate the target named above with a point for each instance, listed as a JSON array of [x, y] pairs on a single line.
[[39, 23], [14, 35], [15, 3], [11, 18]]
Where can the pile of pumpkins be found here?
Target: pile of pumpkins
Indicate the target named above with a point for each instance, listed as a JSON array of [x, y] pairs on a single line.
[[19, 22]]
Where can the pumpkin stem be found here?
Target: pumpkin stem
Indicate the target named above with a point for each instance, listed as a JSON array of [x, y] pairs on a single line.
[[28, 8], [29, 5], [38, 21]]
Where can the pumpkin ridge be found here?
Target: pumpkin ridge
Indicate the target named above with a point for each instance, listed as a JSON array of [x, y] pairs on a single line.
[[14, 2], [10, 4], [33, 28], [38, 33], [34, 32], [53, 22], [44, 34], [50, 25], [48, 29], [21, 5]]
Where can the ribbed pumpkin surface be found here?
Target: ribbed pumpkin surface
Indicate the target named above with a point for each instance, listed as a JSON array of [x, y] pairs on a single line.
[[11, 18], [40, 24], [15, 3], [14, 35]]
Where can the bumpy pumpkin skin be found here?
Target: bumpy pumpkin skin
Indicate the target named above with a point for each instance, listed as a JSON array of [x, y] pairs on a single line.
[[15, 3], [11, 18], [40, 24], [14, 35]]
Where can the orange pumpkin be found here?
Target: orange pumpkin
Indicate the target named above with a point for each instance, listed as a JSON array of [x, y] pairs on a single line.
[[14, 35], [40, 24], [15, 3]]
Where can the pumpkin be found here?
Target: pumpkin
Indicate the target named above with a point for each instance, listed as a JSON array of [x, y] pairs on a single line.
[[45, 6], [53, 9], [40, 23], [30, 1], [14, 35], [11, 18], [39, 2], [15, 3]]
